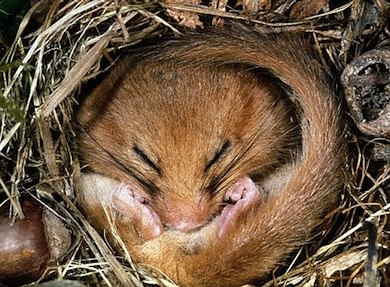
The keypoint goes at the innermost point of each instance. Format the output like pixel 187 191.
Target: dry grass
pixel 42 75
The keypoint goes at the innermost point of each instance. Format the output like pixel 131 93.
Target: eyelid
pixel 148 185
pixel 143 156
pixel 218 155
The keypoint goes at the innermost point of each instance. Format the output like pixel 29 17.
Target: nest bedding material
pixel 53 56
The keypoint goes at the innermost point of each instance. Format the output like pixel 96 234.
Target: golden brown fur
pixel 198 160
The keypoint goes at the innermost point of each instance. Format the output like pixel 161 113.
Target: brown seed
pixel 24 250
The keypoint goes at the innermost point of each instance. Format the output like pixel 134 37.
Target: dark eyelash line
pixel 149 186
pixel 216 183
pixel 226 145
pixel 142 155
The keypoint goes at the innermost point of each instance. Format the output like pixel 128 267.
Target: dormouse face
pixel 179 139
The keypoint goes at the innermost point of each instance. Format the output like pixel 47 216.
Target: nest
pixel 60 45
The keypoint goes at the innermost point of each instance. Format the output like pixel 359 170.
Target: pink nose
pixel 185 223
pixel 186 219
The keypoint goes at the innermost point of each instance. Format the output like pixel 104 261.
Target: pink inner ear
pixel 239 197
pixel 135 209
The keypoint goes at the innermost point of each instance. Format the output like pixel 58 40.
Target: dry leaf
pixel 306 8
pixel 186 19
pixel 255 6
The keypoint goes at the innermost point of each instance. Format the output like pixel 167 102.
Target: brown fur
pixel 175 138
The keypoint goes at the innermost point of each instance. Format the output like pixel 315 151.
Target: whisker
pixel 219 183
pixel 148 185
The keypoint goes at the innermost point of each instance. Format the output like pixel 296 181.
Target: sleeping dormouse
pixel 212 156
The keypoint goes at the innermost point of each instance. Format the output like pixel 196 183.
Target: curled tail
pixel 268 233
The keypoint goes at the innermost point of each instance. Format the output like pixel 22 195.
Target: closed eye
pixel 218 155
pixel 142 155
pixel 149 185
